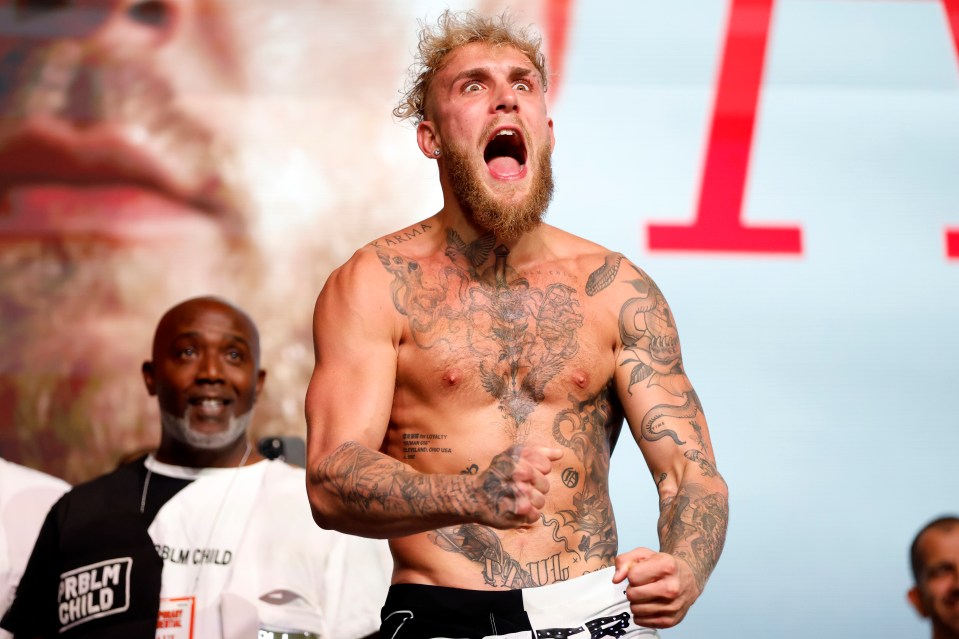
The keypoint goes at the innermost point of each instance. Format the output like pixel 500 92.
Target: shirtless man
pixel 472 376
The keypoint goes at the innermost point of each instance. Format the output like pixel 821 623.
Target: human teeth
pixel 212 404
pixel 505 133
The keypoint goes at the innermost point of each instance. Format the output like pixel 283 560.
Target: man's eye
pixel 472 87
pixel 522 86
pixel 937 571
pixel 187 352
pixel 234 356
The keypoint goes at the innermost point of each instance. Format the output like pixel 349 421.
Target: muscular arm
pixel 667 422
pixel 352 486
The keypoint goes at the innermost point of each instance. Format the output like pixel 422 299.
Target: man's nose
pixel 210 369
pixel 114 23
pixel 506 101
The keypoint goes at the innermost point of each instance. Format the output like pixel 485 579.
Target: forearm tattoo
pixel 692 526
pixel 370 482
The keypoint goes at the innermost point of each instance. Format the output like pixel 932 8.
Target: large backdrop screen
pixel 786 171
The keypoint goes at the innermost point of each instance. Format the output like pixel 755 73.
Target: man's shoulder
pixel 407 237
pixel 15 478
pixel 109 485
pixel 573 247
pixel 380 261
pixel 599 265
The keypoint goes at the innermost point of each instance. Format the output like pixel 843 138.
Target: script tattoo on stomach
pixel 481 545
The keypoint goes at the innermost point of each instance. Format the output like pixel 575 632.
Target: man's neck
pixel 460 231
pixel 239 453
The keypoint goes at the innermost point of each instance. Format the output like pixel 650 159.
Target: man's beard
pixel 507 221
pixel 77 322
pixel 179 429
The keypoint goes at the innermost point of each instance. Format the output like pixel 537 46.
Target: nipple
pixel 452 376
pixel 580 378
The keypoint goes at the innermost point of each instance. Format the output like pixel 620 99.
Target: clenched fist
pixel 512 490
pixel 660 587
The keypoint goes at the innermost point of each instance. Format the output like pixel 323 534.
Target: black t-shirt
pixel 94 571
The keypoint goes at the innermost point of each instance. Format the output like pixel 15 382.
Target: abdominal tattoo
pixel 522 336
pixel 482 546
pixel 582 429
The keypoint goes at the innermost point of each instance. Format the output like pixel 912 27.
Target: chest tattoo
pixel 520 334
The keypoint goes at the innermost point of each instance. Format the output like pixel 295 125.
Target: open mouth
pixel 209 406
pixel 505 154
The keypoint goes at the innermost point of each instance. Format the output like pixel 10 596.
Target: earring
pixel 436 152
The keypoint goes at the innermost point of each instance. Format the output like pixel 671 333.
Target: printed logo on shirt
pixel 175 619
pixel 196 556
pixel 94 591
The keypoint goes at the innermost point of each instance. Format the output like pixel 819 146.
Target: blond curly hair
pixel 453 30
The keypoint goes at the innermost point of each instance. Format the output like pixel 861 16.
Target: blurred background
pixel 785 169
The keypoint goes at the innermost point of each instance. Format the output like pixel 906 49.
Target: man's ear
pixel 260 380
pixel 148 377
pixel 427 139
pixel 916 600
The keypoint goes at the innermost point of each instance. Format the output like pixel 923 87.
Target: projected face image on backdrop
pixel 146 157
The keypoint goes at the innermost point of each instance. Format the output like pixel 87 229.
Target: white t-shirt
pixel 26 496
pixel 242 553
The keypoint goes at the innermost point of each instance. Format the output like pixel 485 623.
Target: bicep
pixel 351 390
pixel 663 410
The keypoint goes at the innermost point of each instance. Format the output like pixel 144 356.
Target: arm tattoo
pixel 371 482
pixel 650 338
pixel 692 522
pixel 692 526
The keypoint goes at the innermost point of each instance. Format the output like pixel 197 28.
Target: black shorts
pixel 587 607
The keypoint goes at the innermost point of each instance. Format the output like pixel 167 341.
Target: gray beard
pixel 505 221
pixel 179 429
pixel 76 323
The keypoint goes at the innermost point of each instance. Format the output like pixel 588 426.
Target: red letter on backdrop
pixel 952 18
pixel 718 225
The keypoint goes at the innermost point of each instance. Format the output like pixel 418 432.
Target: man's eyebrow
pixel 472 74
pixel 236 339
pixel 484 72
pixel 522 72
pixel 228 338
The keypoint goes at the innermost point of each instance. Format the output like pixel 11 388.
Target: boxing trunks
pixel 588 607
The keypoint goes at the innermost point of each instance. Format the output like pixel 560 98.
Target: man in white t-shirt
pixel 230 531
